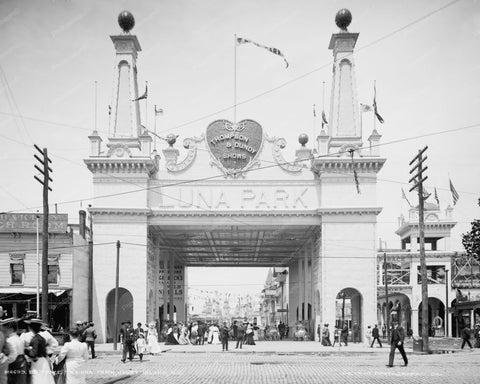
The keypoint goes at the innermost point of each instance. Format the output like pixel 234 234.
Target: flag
pixel 405 197
pixel 109 110
pixel 380 118
pixel 275 51
pixel 314 113
pixel 426 194
pixel 145 94
pixel 365 108
pixel 436 197
pixel 455 194
pixel 158 111
pixel 324 119
pixel 355 175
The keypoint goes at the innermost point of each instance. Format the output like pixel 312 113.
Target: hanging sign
pixel 234 146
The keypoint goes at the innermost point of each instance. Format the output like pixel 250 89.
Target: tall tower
pixel 345 126
pixel 347 177
pixel 122 174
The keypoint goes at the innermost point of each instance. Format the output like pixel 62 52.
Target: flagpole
pixel 235 80
pixel 155 128
pixel 374 107
pixel 146 103
pixel 314 124
pixel 95 106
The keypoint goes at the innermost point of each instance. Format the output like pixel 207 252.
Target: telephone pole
pixel 45 171
pixel 418 181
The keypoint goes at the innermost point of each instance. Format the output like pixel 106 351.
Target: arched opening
pixel 125 311
pixel 436 318
pixel 348 310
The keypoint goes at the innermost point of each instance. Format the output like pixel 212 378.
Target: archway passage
pixel 348 310
pixel 125 311
pixel 436 318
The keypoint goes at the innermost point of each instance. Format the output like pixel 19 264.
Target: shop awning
pixel 28 291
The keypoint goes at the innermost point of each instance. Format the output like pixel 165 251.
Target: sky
pixel 423 55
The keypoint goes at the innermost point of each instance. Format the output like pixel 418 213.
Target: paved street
pixel 305 363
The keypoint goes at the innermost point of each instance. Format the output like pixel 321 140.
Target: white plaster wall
pixel 133 264
pixel 349 261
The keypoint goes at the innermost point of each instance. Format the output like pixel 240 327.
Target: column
pixel 171 287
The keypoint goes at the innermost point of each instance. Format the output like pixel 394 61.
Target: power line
pixel 220 175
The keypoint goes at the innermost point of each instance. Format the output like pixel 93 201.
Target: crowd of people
pixel 138 340
pixel 31 354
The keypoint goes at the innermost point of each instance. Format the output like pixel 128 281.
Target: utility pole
pixel 387 307
pixel 90 269
pixel 115 312
pixel 418 179
pixel 45 171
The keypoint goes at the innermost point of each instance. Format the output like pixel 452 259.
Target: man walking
pixel 326 336
pixel 281 330
pixel 344 335
pixel 396 341
pixel 90 336
pixel 356 333
pixel 128 341
pixel 466 336
pixel 376 336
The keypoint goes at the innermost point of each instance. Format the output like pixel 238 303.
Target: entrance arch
pixel 436 317
pixel 125 311
pixel 348 309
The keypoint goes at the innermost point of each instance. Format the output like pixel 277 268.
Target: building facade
pixel 232 199
pixel 21 269
pixel 453 278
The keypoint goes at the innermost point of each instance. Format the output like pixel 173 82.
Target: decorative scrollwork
pixel 289 166
pixel 191 144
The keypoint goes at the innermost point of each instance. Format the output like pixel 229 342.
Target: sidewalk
pixel 294 347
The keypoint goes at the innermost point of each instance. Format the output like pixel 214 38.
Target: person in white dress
pixel 152 340
pixel 215 338
pixel 76 354
pixel 141 345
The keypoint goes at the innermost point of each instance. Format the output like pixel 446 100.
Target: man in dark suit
pixel 396 341
pixel 376 336
pixel 128 338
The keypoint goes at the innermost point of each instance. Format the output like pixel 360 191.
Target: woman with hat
pixel 76 354
pixel 40 372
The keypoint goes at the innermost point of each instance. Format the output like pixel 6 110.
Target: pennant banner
pixel 455 195
pixel 355 175
pixel 158 111
pixel 145 94
pixel 375 110
pixel 324 119
pixel 275 51
pixel 436 197
pixel 365 108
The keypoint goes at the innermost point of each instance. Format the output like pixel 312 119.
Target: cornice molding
pixel 332 164
pixel 235 213
pixel 431 225
pixel 131 165
pixel 350 211
pixel 120 211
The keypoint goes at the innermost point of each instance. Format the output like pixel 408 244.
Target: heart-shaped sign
pixel 234 145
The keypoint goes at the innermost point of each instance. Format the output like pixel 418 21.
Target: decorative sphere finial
pixel 343 19
pixel 171 139
pixel 126 21
pixel 303 139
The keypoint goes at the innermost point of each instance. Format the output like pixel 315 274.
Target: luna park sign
pixel 234 146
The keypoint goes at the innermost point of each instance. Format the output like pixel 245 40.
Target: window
pixel 17 270
pixel 53 274
pixel 53 269
pixel 435 274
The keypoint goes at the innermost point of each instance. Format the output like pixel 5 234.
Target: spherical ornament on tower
pixel 343 19
pixel 126 21
pixel 303 139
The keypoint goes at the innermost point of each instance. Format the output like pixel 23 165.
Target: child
pixel 140 345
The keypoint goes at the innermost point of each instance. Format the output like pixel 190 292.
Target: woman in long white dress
pixel 76 354
pixel 152 339
pixel 183 338
pixel 215 334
